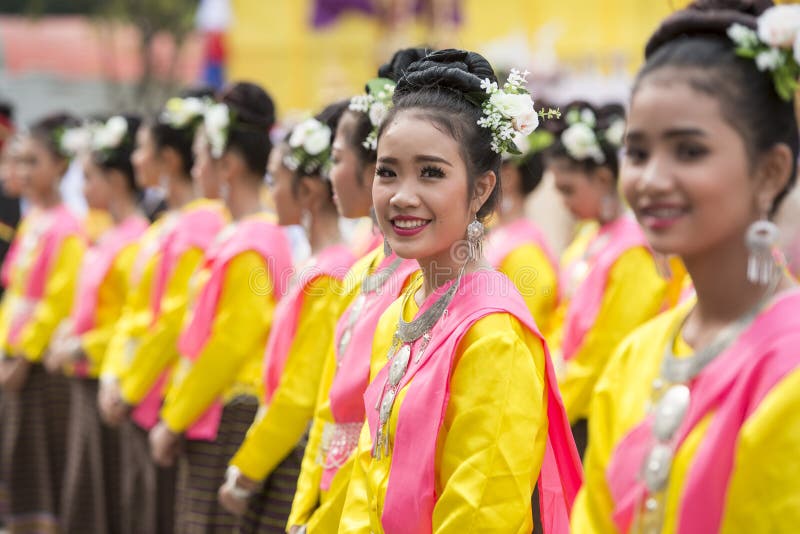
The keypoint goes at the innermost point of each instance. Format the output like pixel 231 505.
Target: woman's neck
pixel 437 272
pixel 122 208
pixel 243 198
pixel 48 200
pixel 324 230
pixel 180 191
pixel 513 209
pixel 723 292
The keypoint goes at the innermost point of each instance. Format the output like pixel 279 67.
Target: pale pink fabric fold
pixel 622 235
pixel 270 242
pixel 332 262
pixel 411 496
pixel 732 387
pixel 352 377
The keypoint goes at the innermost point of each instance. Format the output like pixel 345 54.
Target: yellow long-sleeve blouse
pixel 56 301
pixel 321 510
pixel 763 493
pixel 136 314
pixel 111 297
pixel 634 293
pixel 529 267
pixel 230 362
pixel 491 443
pixel 281 423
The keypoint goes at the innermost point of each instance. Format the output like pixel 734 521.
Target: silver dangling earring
pixel 608 208
pixel 761 239
pixel 305 220
pixel 387 248
pixel 475 232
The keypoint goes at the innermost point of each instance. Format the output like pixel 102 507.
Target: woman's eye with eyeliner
pixel 432 172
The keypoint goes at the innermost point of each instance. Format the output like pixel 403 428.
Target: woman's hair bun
pixel 251 105
pixel 706 17
pixel 457 70
pixel 401 60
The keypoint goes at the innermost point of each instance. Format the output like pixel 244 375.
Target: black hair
pixel 48 130
pixel 531 169
pixel 180 139
pixel 437 87
pixel 394 69
pixel 119 157
pixel 605 117
pixel 7 110
pixel 695 40
pixel 253 113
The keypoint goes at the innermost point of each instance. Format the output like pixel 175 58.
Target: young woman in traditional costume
pixel 262 476
pixel 214 391
pixel 609 277
pixel 463 411
pixel 694 425
pixel 516 246
pixel 374 282
pixel 145 339
pixel 91 496
pixel 40 274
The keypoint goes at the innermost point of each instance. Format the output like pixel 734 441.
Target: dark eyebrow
pixel 422 158
pixel 636 135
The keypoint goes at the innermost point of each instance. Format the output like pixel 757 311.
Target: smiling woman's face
pixel 420 192
pixel 686 172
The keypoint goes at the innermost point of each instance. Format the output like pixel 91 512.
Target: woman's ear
pixel 484 185
pixel 604 177
pixel 171 160
pixel 772 174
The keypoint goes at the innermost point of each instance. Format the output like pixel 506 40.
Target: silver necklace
pixel 370 284
pixel 399 355
pixel 673 405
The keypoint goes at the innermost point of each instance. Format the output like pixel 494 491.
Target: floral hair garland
pixel 582 139
pixel 99 137
pixel 775 46
pixel 509 111
pixel 217 120
pixel 310 145
pixel 375 103
pixel 180 113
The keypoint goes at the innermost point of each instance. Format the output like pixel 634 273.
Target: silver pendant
pixel 670 411
pixel 399 365
pixel 386 405
pixel 657 467
pixel 344 342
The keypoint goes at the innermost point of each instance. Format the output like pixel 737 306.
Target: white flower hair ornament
pixel 509 112
pixel 180 113
pixel 375 103
pixel 106 137
pixel 580 138
pixel 217 120
pixel 74 140
pixel 774 46
pixel 310 147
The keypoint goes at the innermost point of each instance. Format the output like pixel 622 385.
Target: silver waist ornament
pixel 370 284
pixel 399 356
pixel 672 398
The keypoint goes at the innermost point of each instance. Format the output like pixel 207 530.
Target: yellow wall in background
pixel 272 42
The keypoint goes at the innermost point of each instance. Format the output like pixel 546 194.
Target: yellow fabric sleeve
pixel 157 348
pixel 530 270
pixel 111 300
pixel 136 314
pixel 491 442
pixel 634 293
pixel 56 303
pixel 239 332
pixel 281 424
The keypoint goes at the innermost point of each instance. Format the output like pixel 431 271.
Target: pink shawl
pixel 256 234
pixel 411 497
pixel 732 386
pixel 352 377
pixel 333 262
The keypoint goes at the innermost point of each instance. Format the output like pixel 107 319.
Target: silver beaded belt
pixel 339 440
